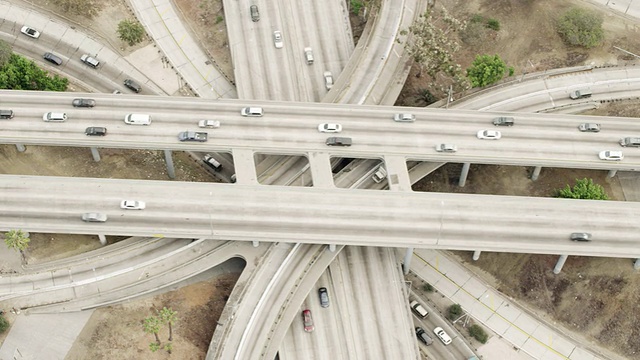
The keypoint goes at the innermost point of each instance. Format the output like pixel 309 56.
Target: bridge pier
pixel 476 255
pixel 255 243
pixel 95 154
pixel 611 173
pixel 103 239
pixel 406 263
pixel 560 264
pixel 21 148
pixel 536 173
pixel 332 247
pixel 463 174
pixel 171 171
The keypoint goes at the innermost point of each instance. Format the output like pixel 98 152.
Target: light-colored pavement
pixel 293 214
pixel 493 310
pixel 163 23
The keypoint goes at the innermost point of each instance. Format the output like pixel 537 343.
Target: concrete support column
pixel 95 154
pixel 103 239
pixel 476 255
pixel 636 264
pixel 332 247
pixel 611 173
pixel 171 171
pixel 536 173
pixel 560 264
pixel 463 174
pixel 406 264
pixel 256 243
pixel 21 148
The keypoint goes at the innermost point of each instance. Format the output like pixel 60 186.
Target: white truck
pixel 380 174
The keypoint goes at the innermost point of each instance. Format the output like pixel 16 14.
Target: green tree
pixel 152 326
pixel 17 240
pixel 356 6
pixel 130 32
pixel 168 316
pixel 580 27
pixel 486 70
pixel 20 73
pixel 168 347
pixel 455 311
pixel 86 8
pixel 583 189
pixel 478 333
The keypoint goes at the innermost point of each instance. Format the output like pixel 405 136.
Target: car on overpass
pixel 323 294
pixel 196 136
pixel 404 117
pixel 132 205
pixel 330 128
pixel 339 141
pixel 489 135
pixel 447 148
pixel 133 85
pixel 94 217
pixel 422 336
pixel 95 131
pixel 442 335
pixel 328 80
pixel 83 102
pixel 211 124
pixel 589 127
pixel 611 155
pixel 277 39
pixel 503 121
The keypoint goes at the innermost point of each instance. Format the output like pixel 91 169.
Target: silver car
pixel 94 217
pixel 589 127
pixel 404 117
pixel 277 39
pixel 448 148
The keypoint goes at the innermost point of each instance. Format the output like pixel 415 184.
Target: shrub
pixel 493 24
pixel 22 74
pixel 580 27
pixel 583 189
pixel 219 19
pixel 477 19
pixel 427 287
pixel 356 6
pixel 4 324
pixel 478 333
pixel 455 311
pixel 486 70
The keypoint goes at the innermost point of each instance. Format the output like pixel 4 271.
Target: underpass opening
pixel 284 170
pixel 350 173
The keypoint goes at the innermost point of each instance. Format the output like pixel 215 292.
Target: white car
pixel 404 117
pixel 30 32
pixel 211 124
pixel 277 39
pixel 442 335
pixel 489 134
pixel 611 155
pixel 448 148
pixel 132 205
pixel 330 128
pixel 328 80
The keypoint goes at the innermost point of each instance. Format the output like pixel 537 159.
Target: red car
pixel 308 321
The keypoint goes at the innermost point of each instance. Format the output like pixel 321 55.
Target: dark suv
pixel 422 336
pixel 96 131
pixel 338 141
pixel 132 85
pixel 324 297
pixel 52 58
pixel 503 121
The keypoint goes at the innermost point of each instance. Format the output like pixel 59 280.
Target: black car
pixel 324 297
pixel 503 121
pixel 96 131
pixel 52 58
pixel 132 85
pixel 83 103
pixel 338 141
pixel 422 336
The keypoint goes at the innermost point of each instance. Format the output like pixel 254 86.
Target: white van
pixel 137 119
pixel 308 55
pixel 418 309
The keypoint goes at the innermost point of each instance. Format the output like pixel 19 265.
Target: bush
pixel 22 74
pixel 219 19
pixel 580 27
pixel 583 189
pixel 486 70
pixel 455 311
pixel 130 32
pixel 427 287
pixel 356 6
pixel 493 24
pixel 477 19
pixel 474 34
pixel 4 324
pixel 478 333
pixel 86 8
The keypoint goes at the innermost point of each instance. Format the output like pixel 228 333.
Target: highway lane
pixel 536 140
pixel 321 216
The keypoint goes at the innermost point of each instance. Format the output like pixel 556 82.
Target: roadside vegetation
pixel 87 8
pixel 130 31
pixel 20 73
pixel 580 27
pixel 583 189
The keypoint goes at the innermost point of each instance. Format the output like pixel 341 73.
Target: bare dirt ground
pixel 116 332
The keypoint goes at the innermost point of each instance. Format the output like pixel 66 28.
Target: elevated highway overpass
pixel 321 216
